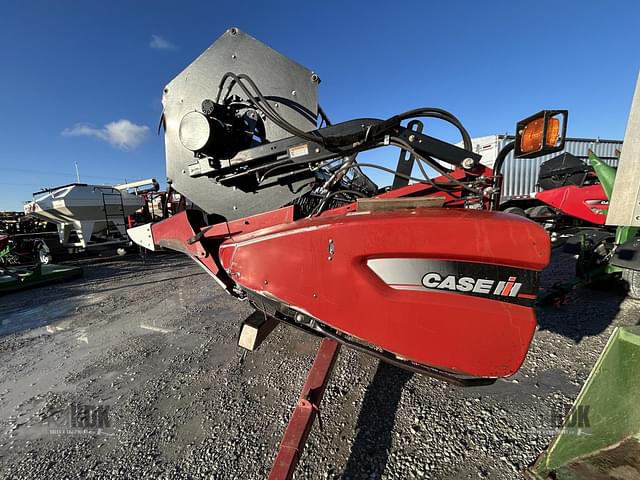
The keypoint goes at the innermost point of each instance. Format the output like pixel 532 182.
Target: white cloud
pixel 160 43
pixel 121 134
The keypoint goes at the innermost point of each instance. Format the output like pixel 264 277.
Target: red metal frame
pixel 305 412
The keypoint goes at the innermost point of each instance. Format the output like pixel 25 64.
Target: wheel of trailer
pixel 515 211
pixel 595 257
pixel 121 251
pixel 44 256
pixel 632 280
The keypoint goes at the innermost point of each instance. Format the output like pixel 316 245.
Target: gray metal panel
pixel 521 175
pixel 624 208
pixel 277 77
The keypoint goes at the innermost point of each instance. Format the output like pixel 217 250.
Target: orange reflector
pixel 553 131
pixel 531 139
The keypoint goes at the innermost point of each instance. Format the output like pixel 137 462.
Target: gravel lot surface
pixel 154 344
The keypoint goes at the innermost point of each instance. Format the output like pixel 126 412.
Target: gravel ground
pixel 155 344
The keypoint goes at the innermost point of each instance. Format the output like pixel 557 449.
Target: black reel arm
pixel 288 155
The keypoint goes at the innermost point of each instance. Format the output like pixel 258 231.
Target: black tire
pixel 515 211
pixel 632 280
pixel 593 259
pixel 541 212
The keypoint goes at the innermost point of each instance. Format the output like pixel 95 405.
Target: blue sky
pixel 82 81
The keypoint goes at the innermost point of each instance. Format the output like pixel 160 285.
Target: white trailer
pixel 86 215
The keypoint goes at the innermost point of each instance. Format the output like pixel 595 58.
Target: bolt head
pixel 467 163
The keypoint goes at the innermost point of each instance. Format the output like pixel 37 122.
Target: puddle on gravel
pixel 33 317
pixel 59 312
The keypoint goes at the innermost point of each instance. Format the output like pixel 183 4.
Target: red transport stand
pixel 305 412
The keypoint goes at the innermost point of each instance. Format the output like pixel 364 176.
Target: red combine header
pixel 423 274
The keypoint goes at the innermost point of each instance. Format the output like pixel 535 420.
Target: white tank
pixel 96 213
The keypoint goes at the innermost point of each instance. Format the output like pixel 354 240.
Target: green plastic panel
pixel 610 396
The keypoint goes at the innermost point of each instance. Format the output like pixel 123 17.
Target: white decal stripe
pixel 417 288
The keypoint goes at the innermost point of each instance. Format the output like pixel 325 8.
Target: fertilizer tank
pixel 86 210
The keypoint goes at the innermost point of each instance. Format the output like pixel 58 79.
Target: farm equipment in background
pixel 7 255
pixel 618 253
pixel 16 250
pixel 605 254
pixel 86 216
pixel 571 198
pixel 76 218
pixel 600 438
pixel 95 217
pixel 17 223
pixel 72 219
pixel 25 239
pixel 154 201
pixel 18 271
pixel 573 207
pixel 157 205
pixel 426 275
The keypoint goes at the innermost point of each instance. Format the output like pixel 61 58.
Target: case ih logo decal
pixel 496 282
pixel 510 288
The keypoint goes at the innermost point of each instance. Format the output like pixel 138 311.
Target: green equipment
pixel 19 277
pixel 600 436
pixel 612 251
pixel 598 248
pixel 602 254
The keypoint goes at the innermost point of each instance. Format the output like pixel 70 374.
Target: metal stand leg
pixel 305 412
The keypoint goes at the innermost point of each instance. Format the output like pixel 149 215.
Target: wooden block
pixel 378 204
pixel 255 329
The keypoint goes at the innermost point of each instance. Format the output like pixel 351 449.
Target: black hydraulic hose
pixel 324 117
pixel 432 112
pixel 497 173
pixel 426 181
pixel 318 210
pixel 433 184
pixel 502 156
pixel 274 116
pixel 264 105
pixel 419 157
